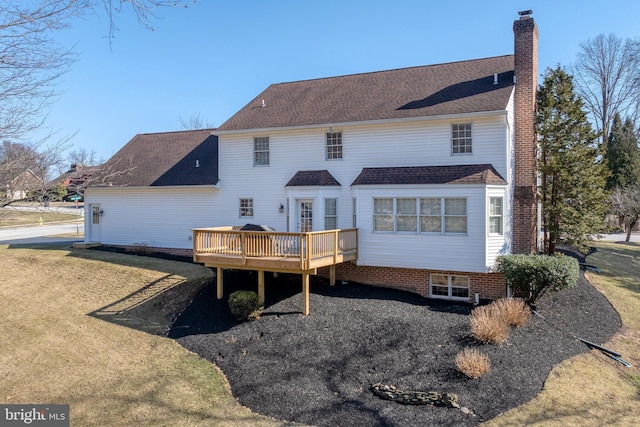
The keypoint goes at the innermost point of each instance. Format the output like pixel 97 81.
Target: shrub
pixel 245 305
pixel 488 325
pixel 140 248
pixel 532 275
pixel 514 311
pixel 473 363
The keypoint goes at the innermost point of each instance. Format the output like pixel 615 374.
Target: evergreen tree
pixel 573 178
pixel 622 156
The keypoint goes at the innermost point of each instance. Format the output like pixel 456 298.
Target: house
pixel 434 166
pixel 20 186
pixel 154 190
pixel 75 179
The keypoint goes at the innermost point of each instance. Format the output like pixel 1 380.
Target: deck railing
pixel 331 245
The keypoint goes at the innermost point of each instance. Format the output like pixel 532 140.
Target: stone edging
pixel 389 392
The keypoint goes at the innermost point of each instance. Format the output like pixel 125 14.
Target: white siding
pixel 451 252
pixel 496 244
pixel 426 143
pixel 164 217
pixel 154 216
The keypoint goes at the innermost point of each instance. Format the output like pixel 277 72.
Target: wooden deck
pixel 300 253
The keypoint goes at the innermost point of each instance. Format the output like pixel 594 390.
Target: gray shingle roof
pixel 164 159
pixel 312 178
pixel 434 90
pixel 458 174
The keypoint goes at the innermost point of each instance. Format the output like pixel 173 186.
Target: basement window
pixel 449 286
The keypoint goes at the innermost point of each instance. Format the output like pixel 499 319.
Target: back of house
pixel 434 165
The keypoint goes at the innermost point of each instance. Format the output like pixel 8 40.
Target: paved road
pixel 38 234
pixel 621 237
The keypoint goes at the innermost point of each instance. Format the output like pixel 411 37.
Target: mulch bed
pixel 319 369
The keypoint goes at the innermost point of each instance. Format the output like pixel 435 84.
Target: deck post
pixel 305 294
pixel 219 282
pixel 332 274
pixel 261 287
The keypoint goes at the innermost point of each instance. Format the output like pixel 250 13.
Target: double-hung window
pixel 334 145
pixel 330 214
pixel 455 215
pixel 383 214
pixel 431 215
pixel 461 138
pixel 406 215
pixel 246 208
pixel 261 151
pixel 495 215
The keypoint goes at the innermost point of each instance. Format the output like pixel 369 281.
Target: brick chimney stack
pixel 525 207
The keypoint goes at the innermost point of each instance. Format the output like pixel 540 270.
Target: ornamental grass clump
pixel 488 324
pixel 514 311
pixel 473 363
pixel 245 305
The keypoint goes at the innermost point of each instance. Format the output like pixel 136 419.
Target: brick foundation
pixel 487 285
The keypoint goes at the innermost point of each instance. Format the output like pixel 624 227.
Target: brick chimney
pixel 525 206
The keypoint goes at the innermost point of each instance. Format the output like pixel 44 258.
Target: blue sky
pixel 212 58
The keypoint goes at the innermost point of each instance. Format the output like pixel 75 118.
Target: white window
pixel 461 138
pixel 246 208
pixel 354 213
pixel 330 214
pixel 435 215
pixel 495 215
pixel 334 145
pixel 431 215
pixel 383 214
pixel 406 215
pixel 261 151
pixel 449 286
pixel 455 215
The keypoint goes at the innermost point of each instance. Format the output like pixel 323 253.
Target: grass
pixel 11 218
pixel 488 325
pixel 473 363
pixel 591 389
pixel 514 311
pixel 73 331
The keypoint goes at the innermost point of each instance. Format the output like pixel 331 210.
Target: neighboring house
pixel 19 187
pixel 76 178
pixel 434 165
pixel 154 191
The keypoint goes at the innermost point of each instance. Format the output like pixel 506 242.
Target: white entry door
pixel 95 229
pixel 305 216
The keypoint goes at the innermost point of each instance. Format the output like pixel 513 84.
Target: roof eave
pixel 365 122
pixel 147 187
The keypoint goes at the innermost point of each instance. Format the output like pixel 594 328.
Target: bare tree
pixel 195 122
pixel 626 204
pixel 607 77
pixel 82 157
pixel 26 169
pixel 32 62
